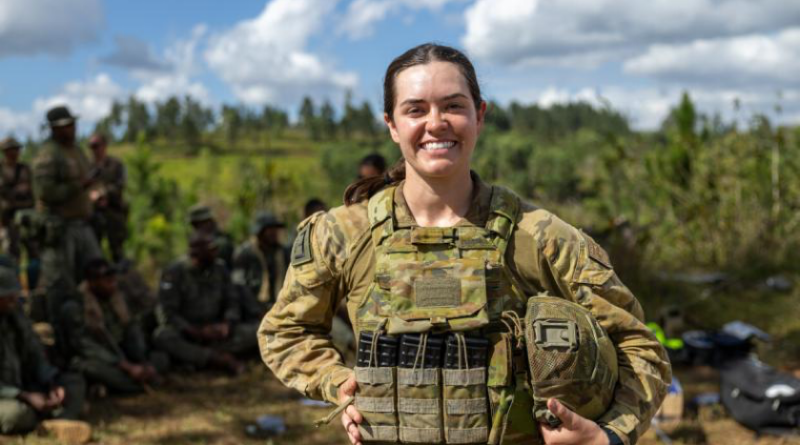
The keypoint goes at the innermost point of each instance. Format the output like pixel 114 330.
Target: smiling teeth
pixel 438 145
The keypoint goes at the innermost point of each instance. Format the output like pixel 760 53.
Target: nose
pixel 437 121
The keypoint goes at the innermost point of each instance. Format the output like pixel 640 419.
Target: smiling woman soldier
pixel 480 317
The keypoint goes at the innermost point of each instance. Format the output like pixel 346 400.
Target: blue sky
pixel 638 55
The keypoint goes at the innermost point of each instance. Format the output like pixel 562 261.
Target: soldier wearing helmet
pixel 480 318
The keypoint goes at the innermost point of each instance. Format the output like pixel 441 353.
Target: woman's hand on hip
pixel 350 417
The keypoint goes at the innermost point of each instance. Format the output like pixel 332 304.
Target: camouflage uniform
pixel 193 296
pixel 98 350
pixel 25 368
pixel 200 214
pixel 334 263
pixel 261 272
pixel 59 173
pixel 111 220
pixel 16 193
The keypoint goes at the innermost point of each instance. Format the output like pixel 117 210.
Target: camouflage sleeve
pixel 583 273
pixel 294 336
pixel 49 185
pixel 169 300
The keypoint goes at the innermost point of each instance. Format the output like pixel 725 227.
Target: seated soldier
pixel 31 389
pixel 106 342
pixel 199 311
pixel 260 265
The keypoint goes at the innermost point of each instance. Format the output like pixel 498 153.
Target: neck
pixel 438 202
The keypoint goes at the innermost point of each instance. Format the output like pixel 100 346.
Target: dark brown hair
pixel 419 55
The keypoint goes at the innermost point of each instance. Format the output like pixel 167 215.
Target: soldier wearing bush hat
pixel 202 219
pixel 62 178
pixel 199 313
pixel 260 263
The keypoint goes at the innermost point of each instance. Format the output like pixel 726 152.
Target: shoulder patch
pixel 301 249
pixel 596 252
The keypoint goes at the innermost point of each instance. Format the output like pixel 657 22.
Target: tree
pixel 308 118
pixel 168 116
pixel 138 120
pixel 327 120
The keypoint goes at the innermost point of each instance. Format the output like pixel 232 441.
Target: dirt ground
pixel 214 409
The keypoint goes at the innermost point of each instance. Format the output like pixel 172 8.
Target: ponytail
pixel 363 189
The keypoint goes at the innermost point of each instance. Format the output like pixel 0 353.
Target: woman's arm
pixel 583 273
pixel 294 336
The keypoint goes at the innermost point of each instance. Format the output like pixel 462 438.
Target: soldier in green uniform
pixel 61 181
pixel 110 218
pixel 260 263
pixel 199 311
pixel 107 343
pixel 202 220
pixel 16 193
pixel 31 389
pixel 429 249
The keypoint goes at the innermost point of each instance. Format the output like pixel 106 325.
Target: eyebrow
pixel 446 98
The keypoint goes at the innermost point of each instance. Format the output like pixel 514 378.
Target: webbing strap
pixel 378 433
pixel 420 435
pixel 375 404
pixel 467 435
pixel 418 406
pixel 418 377
pixel 504 213
pixel 374 376
pixel 464 377
pixel 467 406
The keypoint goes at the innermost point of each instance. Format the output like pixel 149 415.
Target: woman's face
pixel 435 122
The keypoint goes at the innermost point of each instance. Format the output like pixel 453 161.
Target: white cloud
pixel 770 60
pixel 587 32
pixel 90 99
pixel 19 124
pixel 265 59
pixel 47 26
pixel 180 57
pixel 362 15
pixel 646 108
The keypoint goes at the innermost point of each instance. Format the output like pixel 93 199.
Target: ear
pixel 481 115
pixel 392 127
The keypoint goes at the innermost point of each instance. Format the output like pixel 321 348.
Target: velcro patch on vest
pixel 432 235
pixel 437 292
pixel 301 249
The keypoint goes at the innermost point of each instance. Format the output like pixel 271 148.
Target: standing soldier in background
pixel 110 218
pixel 61 180
pixel 202 220
pixel 15 194
pixel 260 263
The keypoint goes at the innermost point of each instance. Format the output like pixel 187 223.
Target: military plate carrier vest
pixel 439 327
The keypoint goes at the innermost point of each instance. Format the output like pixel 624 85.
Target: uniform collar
pixel 477 215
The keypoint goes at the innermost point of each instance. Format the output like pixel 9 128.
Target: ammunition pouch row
pixel 419 388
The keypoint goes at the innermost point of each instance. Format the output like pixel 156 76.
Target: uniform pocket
pixel 464 393
pixel 375 400
pixel 419 405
